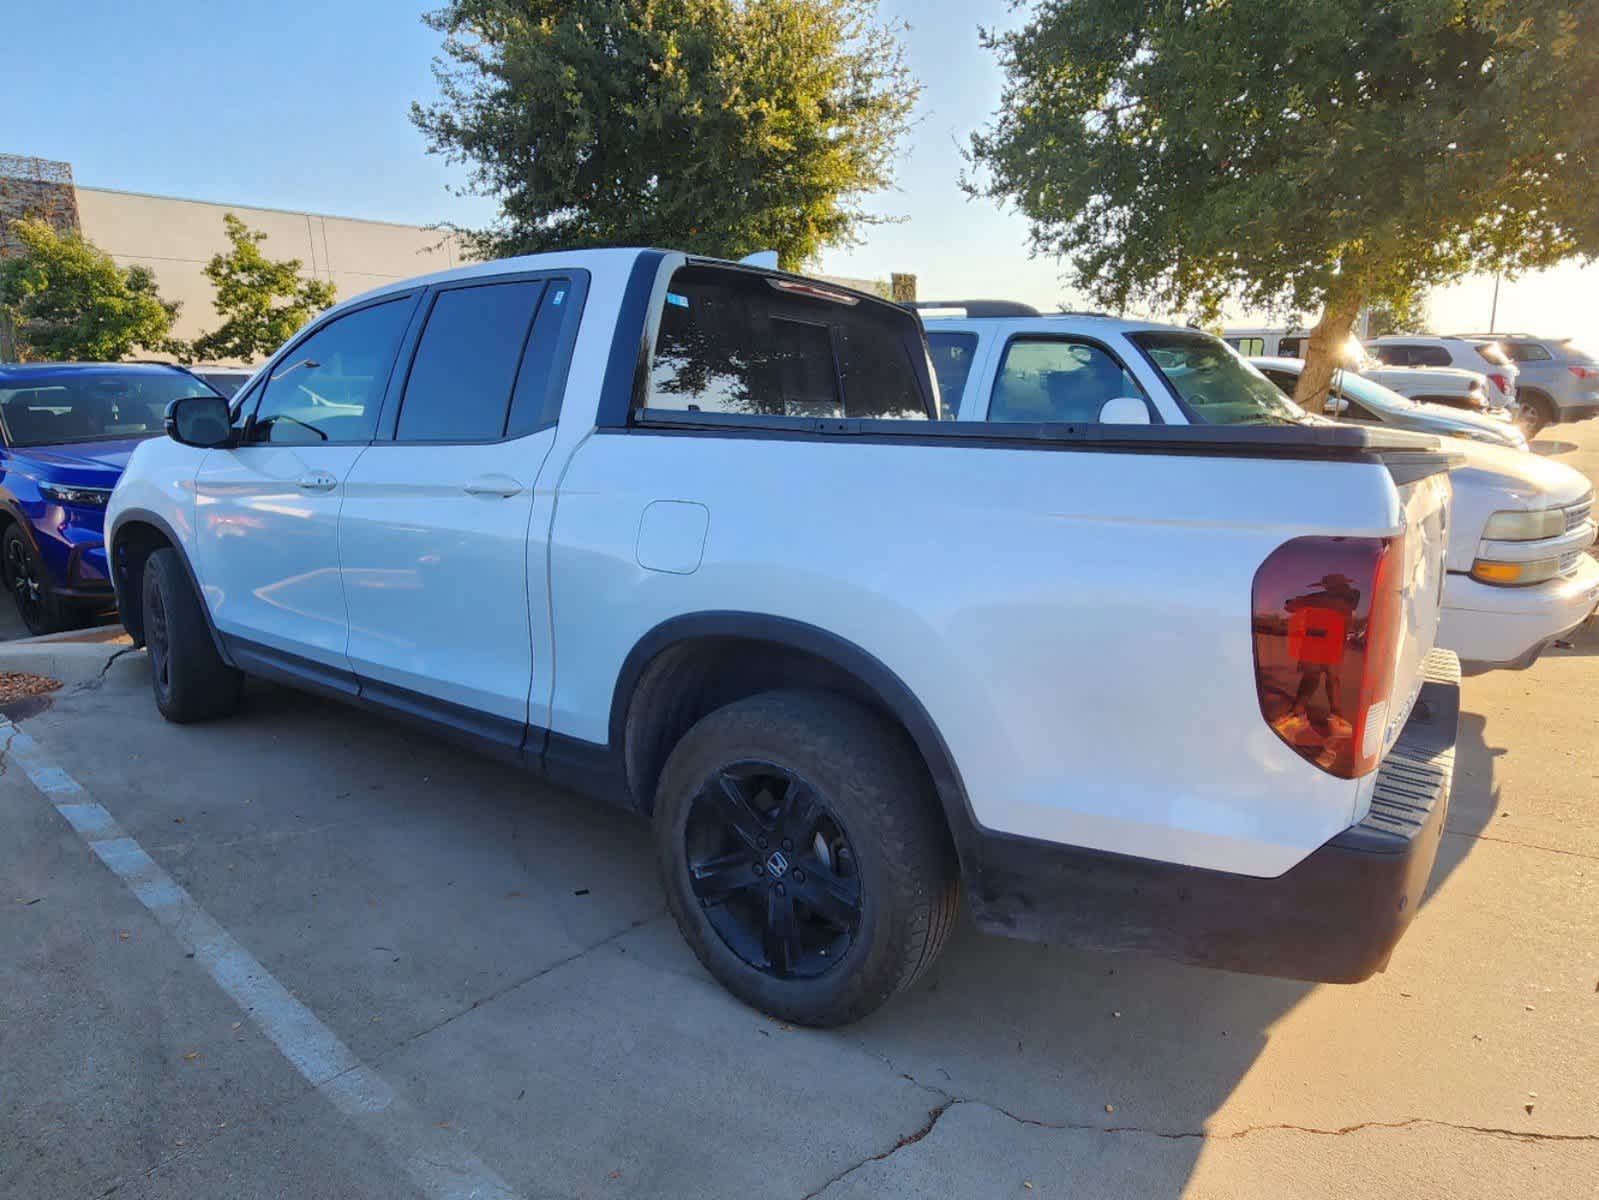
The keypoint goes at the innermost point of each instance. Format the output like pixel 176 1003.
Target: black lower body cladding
pixel 1333 918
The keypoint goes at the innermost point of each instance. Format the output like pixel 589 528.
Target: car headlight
pixel 1529 526
pixel 89 497
pixel 1515 574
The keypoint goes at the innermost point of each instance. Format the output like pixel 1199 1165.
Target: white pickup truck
pixel 682 534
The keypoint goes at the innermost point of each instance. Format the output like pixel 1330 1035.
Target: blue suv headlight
pixel 88 497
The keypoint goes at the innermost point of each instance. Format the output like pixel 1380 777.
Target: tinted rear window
pixel 1526 352
pixel 460 383
pixel 743 343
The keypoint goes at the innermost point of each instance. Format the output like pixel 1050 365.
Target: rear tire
pixel 804 855
pixel 188 676
pixel 1535 414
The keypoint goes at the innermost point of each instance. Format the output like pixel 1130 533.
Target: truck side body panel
pixel 1076 624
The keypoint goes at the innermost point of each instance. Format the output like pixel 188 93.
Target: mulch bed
pixel 19 685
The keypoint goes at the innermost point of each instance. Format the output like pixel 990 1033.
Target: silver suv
pixel 1559 381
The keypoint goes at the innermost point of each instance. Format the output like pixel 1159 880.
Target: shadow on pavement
pixel 1054 1035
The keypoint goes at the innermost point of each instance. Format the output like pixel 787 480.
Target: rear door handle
pixel 502 486
pixel 318 481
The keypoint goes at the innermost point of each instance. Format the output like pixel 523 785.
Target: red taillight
pixel 1502 382
pixel 1326 632
pixel 1584 372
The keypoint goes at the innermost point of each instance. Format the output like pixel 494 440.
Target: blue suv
pixel 66 431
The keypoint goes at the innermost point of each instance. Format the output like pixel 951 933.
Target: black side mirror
pixel 202 421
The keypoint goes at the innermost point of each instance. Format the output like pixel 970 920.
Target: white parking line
pixel 435 1161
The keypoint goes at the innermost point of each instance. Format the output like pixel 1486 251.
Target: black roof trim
pixel 980 308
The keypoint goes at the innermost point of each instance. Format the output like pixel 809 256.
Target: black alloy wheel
pixel 158 641
pixel 772 866
pixel 30 586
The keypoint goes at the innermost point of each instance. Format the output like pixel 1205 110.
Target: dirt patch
pixel 23 695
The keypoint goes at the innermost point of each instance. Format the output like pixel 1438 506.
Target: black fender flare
pixel 9 507
pixel 892 691
pixel 143 516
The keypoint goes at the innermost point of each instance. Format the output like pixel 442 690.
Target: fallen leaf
pixel 613 1174
pixel 177 820
pixel 1110 1108
pixel 1028 1184
pixel 236 1024
pixel 1528 1107
pixel 123 935
pixel 191 1056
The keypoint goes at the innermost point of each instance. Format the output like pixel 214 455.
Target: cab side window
pixel 329 387
pixel 1058 379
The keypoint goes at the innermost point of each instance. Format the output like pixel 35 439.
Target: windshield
pixel 92 407
pixel 1370 393
pixel 1216 386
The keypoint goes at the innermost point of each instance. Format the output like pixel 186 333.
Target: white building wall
pixel 176 238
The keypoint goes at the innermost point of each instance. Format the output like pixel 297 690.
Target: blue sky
pixel 304 106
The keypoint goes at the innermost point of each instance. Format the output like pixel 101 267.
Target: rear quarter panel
pixel 1077 624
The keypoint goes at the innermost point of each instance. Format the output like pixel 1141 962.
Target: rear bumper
pixel 1500 628
pixel 1579 410
pixel 1334 917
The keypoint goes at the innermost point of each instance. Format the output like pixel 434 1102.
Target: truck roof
pixel 608 265
pixel 1063 322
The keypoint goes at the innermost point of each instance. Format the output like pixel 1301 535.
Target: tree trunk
pixel 1325 351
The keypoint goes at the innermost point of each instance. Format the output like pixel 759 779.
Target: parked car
pixel 1558 381
pixel 226 380
pixel 1425 350
pixel 1360 398
pixel 66 430
pixel 1519 575
pixel 1453 387
pixel 1134 693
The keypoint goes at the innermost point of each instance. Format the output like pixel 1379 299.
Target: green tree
pixel 715 126
pixel 63 298
pixel 1307 157
pixel 262 302
pixel 1405 315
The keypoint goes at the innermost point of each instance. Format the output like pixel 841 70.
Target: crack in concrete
pixel 5 751
pixel 1487 837
pixel 509 988
pixel 90 685
pixel 950 1101
pixel 910 1139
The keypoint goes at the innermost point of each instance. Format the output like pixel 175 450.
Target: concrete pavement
pixel 496 955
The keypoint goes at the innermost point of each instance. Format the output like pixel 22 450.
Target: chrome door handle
pixel 502 486
pixel 318 481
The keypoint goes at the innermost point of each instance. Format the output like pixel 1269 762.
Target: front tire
pixel 188 676
pixel 38 605
pixel 804 855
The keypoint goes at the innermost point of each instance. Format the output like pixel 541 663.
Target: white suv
pixel 1420 350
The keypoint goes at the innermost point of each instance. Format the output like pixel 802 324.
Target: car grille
pixel 1579 514
pixel 1569 562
